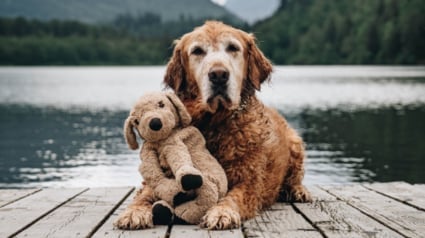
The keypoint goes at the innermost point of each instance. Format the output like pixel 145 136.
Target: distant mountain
pixel 252 10
pixel 101 11
pixel 344 32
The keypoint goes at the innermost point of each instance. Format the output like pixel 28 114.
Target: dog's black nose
pixel 155 124
pixel 218 76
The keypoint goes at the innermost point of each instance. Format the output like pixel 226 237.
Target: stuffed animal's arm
pixel 177 156
pixel 178 151
pixel 163 187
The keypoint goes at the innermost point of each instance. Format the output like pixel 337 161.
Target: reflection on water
pixel 52 147
pixel 383 144
pixel 63 126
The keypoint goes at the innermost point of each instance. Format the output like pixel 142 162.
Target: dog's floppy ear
pixel 180 108
pixel 130 136
pixel 259 67
pixel 175 73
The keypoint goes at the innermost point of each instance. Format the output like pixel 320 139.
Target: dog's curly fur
pixel 263 157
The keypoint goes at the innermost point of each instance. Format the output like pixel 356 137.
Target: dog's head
pixel 218 65
pixel 154 117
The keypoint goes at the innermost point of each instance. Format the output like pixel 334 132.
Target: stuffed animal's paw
pixel 188 178
pixel 191 181
pixel 162 213
pixel 182 197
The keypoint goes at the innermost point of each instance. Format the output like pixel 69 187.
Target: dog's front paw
pixel 221 217
pixel 134 218
pixel 301 194
pixel 297 193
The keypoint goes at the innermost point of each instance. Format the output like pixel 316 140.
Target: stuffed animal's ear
pixel 259 67
pixel 130 136
pixel 175 73
pixel 180 108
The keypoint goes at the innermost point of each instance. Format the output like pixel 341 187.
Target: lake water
pixel 62 126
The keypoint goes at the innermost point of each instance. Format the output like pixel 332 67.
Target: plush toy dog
pixel 175 161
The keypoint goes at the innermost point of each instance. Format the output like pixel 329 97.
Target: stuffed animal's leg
pixel 180 162
pixel 138 214
pixel 162 213
pixel 192 211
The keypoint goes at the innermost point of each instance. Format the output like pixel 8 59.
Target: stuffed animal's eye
pixel 136 121
pixel 161 104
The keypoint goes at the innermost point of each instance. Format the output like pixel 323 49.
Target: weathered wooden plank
pixel 11 195
pixel 319 194
pixel 16 216
pixel 280 220
pixel 234 233
pixel 182 231
pixel 372 210
pixel 80 216
pixel 400 217
pixel 107 230
pixel 338 219
pixel 185 231
pixel 401 191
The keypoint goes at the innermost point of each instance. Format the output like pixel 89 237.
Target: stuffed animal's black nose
pixel 155 124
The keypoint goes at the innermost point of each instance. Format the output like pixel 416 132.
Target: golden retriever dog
pixel 216 70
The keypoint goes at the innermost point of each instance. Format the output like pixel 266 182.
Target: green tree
pixel 345 32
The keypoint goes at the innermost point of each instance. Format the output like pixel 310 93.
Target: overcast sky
pixel 220 2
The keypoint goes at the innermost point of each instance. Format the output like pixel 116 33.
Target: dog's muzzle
pixel 219 77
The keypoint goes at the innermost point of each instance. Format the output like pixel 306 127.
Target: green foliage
pixel 25 42
pixel 103 11
pixel 345 32
pixel 48 50
pixel 142 40
pixel 151 26
pixel 301 32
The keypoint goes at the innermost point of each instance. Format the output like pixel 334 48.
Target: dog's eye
pixel 161 104
pixel 198 51
pixel 232 48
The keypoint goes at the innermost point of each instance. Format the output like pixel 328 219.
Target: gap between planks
pixel 14 195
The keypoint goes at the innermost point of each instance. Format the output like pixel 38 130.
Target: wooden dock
pixel 358 210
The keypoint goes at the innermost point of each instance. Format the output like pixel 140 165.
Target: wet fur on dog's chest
pixel 232 135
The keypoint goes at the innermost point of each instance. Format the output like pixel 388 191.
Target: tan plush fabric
pixel 173 151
